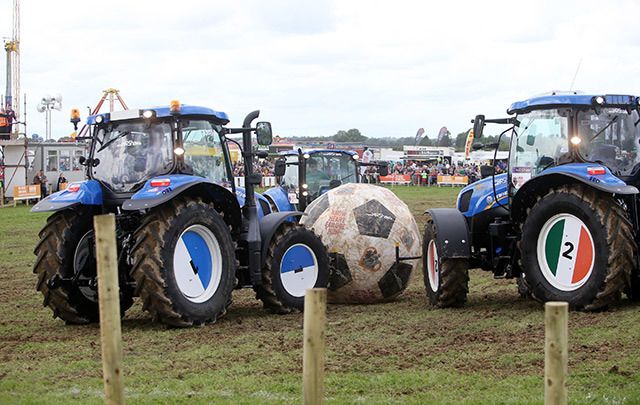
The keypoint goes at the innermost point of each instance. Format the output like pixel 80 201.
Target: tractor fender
pixel 87 192
pixel 452 233
pixel 566 174
pixel 268 226
pixel 149 196
pixel 280 198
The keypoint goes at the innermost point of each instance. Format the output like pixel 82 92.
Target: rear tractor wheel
pixel 184 263
pixel 446 280
pixel 577 246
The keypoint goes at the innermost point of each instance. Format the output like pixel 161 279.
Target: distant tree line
pixel 354 135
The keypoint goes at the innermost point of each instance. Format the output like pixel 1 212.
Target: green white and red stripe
pixel 566 252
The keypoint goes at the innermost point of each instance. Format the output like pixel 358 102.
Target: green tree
pixel 352 135
pixel 461 140
pixel 445 140
pixel 426 141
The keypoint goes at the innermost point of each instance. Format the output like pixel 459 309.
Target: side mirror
pixel 383 170
pixel 82 160
pixel 486 171
pixel 281 166
pixel 263 133
pixel 531 140
pixel 478 126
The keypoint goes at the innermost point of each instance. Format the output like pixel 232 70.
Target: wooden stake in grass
pixel 315 319
pixel 109 297
pixel 556 352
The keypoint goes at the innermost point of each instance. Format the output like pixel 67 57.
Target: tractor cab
pixel 600 131
pixel 304 176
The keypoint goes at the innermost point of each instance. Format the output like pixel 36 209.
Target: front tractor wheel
pixel 577 246
pixel 184 263
pixel 296 261
pixel 66 268
pixel 445 279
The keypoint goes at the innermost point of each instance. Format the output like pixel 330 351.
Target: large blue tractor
pixel 563 218
pixel 304 176
pixel 187 235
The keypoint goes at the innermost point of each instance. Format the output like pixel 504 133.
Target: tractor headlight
pixel 599 100
pixel 178 151
pixel 306 156
pixel 575 140
pixel 148 114
pixel 305 193
pixel 99 119
pixel 305 186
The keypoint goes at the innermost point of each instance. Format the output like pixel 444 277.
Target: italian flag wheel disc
pixel 566 253
pixel 432 266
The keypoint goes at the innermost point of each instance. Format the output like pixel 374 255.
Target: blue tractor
pixel 187 236
pixel 562 218
pixel 304 176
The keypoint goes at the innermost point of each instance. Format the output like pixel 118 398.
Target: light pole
pixel 48 103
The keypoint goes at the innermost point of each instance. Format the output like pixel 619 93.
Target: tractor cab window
pixel 540 141
pixel 130 153
pixel 329 170
pixel 203 150
pixel 610 137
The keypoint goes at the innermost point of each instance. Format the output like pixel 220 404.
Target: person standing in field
pixel 41 180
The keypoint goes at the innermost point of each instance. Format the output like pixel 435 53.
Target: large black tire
pixel 66 246
pixel 283 287
pixel 446 280
pixel 184 263
pixel 577 246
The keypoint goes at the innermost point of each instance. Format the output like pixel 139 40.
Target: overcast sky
pixel 316 67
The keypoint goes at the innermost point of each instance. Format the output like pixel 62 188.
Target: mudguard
pixel 452 234
pixel 87 192
pixel 280 198
pixel 268 226
pixel 150 196
pixel 567 174
pixel 261 201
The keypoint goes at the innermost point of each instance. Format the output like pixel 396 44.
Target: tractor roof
pixel 571 100
pixel 160 112
pixel 316 151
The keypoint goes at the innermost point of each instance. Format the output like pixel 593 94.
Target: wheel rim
pixel 84 265
pixel 197 263
pixel 298 270
pixel 566 253
pixel 432 266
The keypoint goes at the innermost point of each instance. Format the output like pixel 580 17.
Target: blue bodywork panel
pixel 162 112
pixel 177 180
pixel 569 100
pixel 280 198
pixel 241 195
pixel 89 193
pixel 483 197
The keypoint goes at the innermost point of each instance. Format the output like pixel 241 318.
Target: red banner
pixel 396 178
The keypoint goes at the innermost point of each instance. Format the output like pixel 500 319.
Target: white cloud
pixel 313 68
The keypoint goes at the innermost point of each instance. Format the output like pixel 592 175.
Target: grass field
pixel 491 351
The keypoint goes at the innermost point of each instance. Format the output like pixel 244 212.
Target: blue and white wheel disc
pixel 197 263
pixel 298 270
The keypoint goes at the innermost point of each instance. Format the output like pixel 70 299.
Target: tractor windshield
pixel 540 140
pixel 610 137
pixel 329 170
pixel 131 153
pixel 203 150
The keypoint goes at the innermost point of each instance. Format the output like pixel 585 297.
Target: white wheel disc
pixel 432 266
pixel 566 253
pixel 197 263
pixel 298 269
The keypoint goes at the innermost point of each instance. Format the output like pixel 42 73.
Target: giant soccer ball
pixel 361 225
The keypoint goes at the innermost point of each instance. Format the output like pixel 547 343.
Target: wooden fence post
pixel 556 353
pixel 315 319
pixel 109 297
